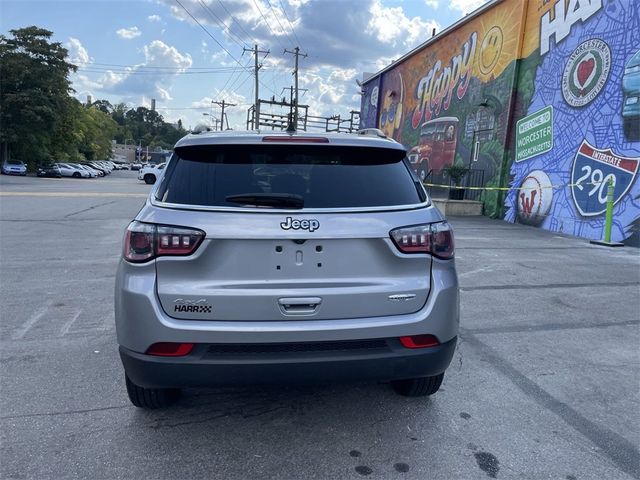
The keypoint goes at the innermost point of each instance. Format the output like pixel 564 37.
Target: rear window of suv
pixel 325 176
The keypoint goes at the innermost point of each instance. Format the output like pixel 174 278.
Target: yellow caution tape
pixel 506 189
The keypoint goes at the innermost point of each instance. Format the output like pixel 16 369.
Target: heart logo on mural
pixel 584 70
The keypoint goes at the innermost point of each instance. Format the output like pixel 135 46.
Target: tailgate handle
pixel 299 305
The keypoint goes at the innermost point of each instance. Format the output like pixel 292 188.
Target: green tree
pixel 34 93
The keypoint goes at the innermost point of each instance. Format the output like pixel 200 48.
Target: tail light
pixel 433 238
pixel 145 241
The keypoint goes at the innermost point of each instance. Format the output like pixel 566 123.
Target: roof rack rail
pixel 371 132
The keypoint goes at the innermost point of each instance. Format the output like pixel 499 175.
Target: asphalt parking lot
pixel 545 382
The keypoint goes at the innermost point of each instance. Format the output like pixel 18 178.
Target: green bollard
pixel 608 217
pixel 608 221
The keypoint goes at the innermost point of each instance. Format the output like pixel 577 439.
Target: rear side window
pixel 324 176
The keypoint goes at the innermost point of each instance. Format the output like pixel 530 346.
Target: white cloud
pixel 466 6
pixel 346 40
pixel 154 18
pixel 134 83
pixel 391 25
pixel 77 52
pixel 129 33
pixel 431 3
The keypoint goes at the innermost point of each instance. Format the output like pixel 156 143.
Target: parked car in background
pixel 68 170
pixel 99 173
pixel 13 167
pixel 102 168
pixel 108 168
pixel 52 171
pixel 136 166
pixel 151 173
pixel 92 173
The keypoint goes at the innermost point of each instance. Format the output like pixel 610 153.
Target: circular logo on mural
pixel 586 72
pixel 534 198
pixel 490 50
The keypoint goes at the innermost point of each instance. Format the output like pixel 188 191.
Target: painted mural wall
pixel 450 102
pixel 578 112
pixel 542 95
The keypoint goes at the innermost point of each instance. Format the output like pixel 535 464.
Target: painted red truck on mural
pixel 437 146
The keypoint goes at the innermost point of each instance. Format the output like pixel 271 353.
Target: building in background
pixel 542 96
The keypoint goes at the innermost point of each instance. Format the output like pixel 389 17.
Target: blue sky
pixel 132 51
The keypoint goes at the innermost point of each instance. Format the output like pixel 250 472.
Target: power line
pixel 267 23
pixel 278 20
pixel 290 22
pixel 154 72
pixel 237 22
pixel 220 22
pixel 236 79
pixel 100 65
pixel 208 33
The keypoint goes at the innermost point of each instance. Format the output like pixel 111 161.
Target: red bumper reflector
pixel 419 341
pixel 170 349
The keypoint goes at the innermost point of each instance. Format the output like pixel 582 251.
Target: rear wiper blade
pixel 288 200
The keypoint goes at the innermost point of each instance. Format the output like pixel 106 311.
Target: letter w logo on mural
pixel 527 200
pixel 591 173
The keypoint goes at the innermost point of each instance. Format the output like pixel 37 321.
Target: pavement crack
pixel 546 327
pixel 549 285
pixel 65 412
pixel 90 208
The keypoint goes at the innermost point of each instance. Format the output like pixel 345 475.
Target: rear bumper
pixel 203 367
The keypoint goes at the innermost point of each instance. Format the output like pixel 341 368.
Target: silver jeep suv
pixel 286 258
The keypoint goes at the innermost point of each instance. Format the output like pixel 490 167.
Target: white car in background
pixel 92 172
pixel 68 170
pixel 150 173
pixel 14 167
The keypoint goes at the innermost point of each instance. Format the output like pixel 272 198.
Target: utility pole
pixel 256 106
pixel 223 104
pixel 296 52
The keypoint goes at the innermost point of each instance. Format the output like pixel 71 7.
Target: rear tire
pixel 149 179
pixel 418 387
pixel 151 398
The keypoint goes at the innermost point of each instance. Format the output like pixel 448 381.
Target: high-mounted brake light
pixel 288 139
pixel 170 349
pixel 145 241
pixel 433 238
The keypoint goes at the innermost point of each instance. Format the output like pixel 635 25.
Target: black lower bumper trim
pixel 201 370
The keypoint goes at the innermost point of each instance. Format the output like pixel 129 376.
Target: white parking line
pixel 72 194
pixel 28 325
pixel 67 326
